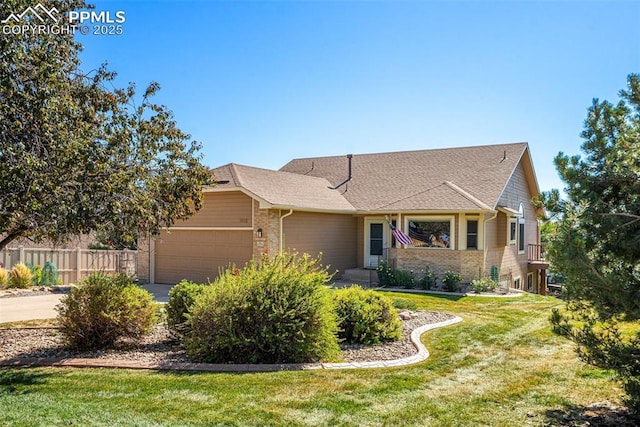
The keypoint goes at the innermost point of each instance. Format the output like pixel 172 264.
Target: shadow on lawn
pixel 443 295
pixel 597 415
pixel 15 381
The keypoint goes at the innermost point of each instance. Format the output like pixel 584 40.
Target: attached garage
pixel 198 255
pixel 220 234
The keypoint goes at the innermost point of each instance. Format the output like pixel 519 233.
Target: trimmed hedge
pixel 104 308
pixel 365 316
pixel 277 311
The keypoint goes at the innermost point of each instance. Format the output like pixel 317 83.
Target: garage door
pixel 197 255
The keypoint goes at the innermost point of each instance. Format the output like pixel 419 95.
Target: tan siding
pixel 502 254
pixel 332 234
pixel 360 243
pixel 224 209
pixel 197 255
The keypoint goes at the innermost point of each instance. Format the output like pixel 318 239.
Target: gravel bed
pixel 34 291
pixel 396 349
pixel 160 347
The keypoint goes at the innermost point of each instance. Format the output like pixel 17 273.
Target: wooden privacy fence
pixel 73 264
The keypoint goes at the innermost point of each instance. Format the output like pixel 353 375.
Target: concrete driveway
pixel 15 309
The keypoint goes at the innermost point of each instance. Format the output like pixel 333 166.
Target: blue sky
pixel 260 83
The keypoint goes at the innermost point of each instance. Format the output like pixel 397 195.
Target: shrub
pixel 104 308
pixel 386 275
pixel 50 275
pixel 486 284
pixel 451 281
pixel 405 279
pixel 365 316
pixel 4 277
pixel 181 299
pixel 277 311
pixel 20 276
pixel 36 270
pixel 428 280
pixel 404 304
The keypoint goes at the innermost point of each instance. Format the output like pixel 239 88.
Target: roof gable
pixel 281 189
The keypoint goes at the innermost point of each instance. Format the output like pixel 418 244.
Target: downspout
pixel 484 238
pixel 282 217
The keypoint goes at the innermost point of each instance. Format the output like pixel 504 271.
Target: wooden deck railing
pixel 536 253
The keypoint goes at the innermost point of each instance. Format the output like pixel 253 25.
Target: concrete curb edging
pixel 422 355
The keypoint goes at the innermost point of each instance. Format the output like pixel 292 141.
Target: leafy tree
pixel 78 154
pixel 597 240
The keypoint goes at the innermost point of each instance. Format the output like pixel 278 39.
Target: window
pixel 375 239
pixel 521 236
pixel 436 232
pixel 513 229
pixel 516 283
pixel 472 234
pixel 530 282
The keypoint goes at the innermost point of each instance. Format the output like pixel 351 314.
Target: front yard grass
pixel 501 367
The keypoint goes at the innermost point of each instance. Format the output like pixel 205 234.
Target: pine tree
pixel 597 240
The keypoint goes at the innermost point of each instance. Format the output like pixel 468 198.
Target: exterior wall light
pixel 259 233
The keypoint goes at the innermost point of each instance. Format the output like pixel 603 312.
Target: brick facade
pixel 469 263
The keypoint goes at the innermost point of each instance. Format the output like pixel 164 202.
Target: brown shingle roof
pixel 282 189
pixel 468 178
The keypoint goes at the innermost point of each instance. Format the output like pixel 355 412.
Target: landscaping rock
pixel 159 346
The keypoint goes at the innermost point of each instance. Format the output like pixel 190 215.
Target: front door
pixel 375 242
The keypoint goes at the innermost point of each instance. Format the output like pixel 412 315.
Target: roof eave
pixel 426 211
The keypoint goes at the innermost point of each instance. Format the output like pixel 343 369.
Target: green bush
pixel 181 299
pixel 404 304
pixel 386 275
pixel 20 276
pixel 365 316
pixel 4 277
pixel 405 279
pixel 36 270
pixel 451 281
pixel 486 284
pixel 428 280
pixel 104 308
pixel 277 311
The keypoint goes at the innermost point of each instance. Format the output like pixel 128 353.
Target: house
pixel 467 209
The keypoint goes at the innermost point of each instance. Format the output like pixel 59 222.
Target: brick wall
pixel 468 263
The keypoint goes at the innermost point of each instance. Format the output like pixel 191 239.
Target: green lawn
pixel 501 367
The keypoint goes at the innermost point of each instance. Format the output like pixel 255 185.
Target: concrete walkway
pixel 16 309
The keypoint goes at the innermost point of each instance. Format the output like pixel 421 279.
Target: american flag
pixel 401 238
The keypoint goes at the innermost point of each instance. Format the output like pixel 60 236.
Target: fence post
pixel 78 264
pixel 20 255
